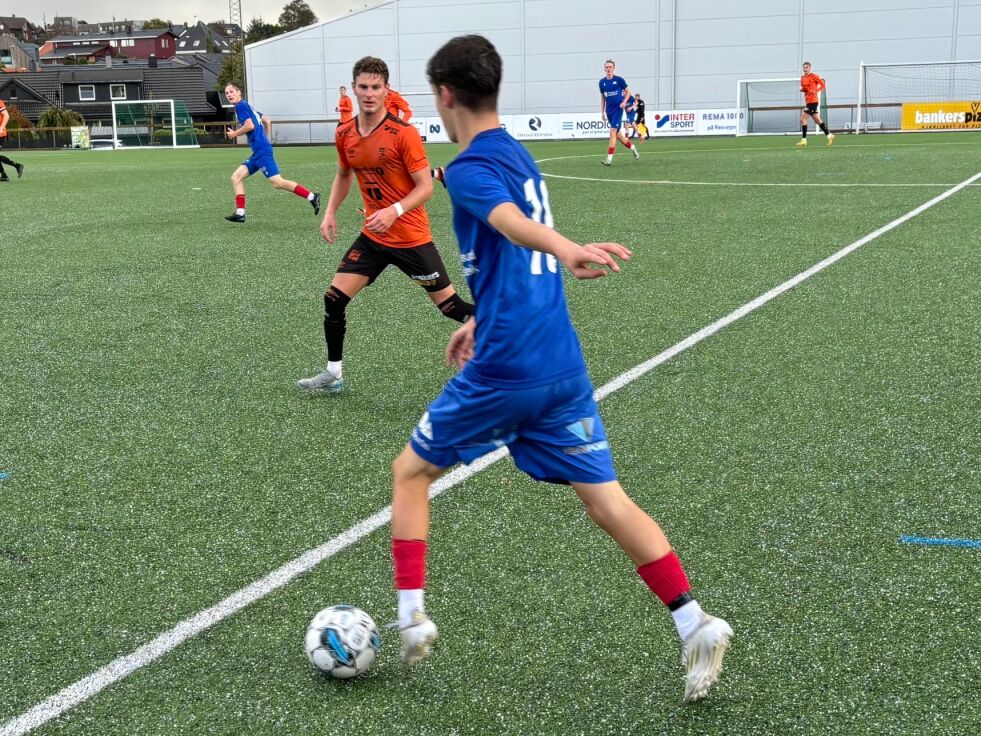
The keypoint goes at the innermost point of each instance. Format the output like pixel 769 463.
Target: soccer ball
pixel 342 641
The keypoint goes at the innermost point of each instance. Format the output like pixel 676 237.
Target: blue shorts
pixel 631 115
pixel 615 116
pixel 263 162
pixel 554 432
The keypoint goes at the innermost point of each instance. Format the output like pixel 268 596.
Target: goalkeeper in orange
pixel 812 85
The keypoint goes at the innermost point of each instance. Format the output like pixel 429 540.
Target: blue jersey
pixel 612 89
pixel 257 136
pixel 524 335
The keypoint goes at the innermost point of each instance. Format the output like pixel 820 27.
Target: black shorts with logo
pixel 811 108
pixel 422 263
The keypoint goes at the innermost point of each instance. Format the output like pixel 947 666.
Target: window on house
pixel 117 91
pixel 183 44
pixel 129 42
pixel 164 43
pixel 86 92
pixel 197 43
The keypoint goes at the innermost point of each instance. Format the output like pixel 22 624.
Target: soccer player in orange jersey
pixel 4 117
pixel 812 85
pixel 344 106
pixel 397 105
pixel 387 158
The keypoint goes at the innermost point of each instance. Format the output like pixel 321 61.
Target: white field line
pixel 119 668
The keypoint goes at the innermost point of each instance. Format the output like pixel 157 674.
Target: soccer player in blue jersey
pixel 614 94
pixel 257 127
pixel 522 380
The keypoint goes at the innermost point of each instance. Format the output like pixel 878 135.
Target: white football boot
pixel 701 656
pixel 417 638
pixel 324 381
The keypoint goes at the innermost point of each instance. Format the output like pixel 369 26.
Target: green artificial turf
pixel 159 456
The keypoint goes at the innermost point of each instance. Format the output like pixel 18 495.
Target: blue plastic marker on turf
pixel 4 475
pixel 941 541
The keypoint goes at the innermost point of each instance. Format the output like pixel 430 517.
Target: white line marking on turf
pixel 119 668
pixel 818 185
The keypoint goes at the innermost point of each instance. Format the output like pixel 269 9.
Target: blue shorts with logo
pixel 554 432
pixel 631 114
pixel 615 116
pixel 263 162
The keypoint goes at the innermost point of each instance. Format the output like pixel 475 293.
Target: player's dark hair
pixel 471 67
pixel 371 65
pixel 609 61
pixel 236 85
pixel 806 63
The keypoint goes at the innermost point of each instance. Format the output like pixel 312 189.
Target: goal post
pixel 772 106
pixel 930 95
pixel 152 123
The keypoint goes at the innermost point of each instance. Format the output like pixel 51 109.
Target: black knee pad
pixel 456 308
pixel 335 303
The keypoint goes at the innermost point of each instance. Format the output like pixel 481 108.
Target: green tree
pixel 258 30
pixel 17 118
pixel 296 14
pixel 59 117
pixel 155 24
pixel 233 68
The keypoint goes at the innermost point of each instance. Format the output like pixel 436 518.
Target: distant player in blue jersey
pixel 258 128
pixel 614 94
pixel 522 381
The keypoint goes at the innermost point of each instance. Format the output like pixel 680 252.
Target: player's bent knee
pixel 335 304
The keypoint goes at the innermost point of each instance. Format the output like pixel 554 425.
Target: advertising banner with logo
pixel 433 130
pixel 942 115
pixel 535 127
pixel 719 122
pixel 672 122
pixel 582 126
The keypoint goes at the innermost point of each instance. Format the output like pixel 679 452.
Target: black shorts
pixel 422 263
pixel 811 108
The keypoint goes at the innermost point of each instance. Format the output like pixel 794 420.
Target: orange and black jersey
pixel 811 85
pixel 383 161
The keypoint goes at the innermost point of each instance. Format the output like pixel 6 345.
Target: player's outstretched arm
pixel 582 261
pixel 338 193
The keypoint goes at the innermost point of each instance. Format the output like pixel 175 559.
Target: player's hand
pixel 460 349
pixel 380 220
pixel 623 105
pixel 328 228
pixel 591 260
pixel 229 134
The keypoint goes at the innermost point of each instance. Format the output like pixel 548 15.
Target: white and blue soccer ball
pixel 342 641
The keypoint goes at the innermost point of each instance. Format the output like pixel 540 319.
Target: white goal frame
pixel 173 124
pixel 861 104
pixel 743 119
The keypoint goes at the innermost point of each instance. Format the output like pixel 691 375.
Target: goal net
pixel 772 106
pixel 146 123
pixel 943 95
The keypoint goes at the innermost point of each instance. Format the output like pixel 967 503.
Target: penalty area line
pixel 123 666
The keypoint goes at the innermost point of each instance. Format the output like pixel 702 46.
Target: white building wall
pixel 679 54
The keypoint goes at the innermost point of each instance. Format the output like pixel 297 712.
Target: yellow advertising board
pixel 942 115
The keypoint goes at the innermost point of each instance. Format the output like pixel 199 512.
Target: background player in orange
pixel 812 85
pixel 345 106
pixel 397 105
pixel 387 157
pixel 4 117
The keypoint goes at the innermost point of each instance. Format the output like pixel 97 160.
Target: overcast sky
pixel 178 11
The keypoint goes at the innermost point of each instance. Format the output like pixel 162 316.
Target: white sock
pixel 334 366
pixel 410 601
pixel 310 197
pixel 687 618
pixel 609 158
pixel 239 211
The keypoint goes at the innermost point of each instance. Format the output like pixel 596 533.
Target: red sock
pixel 410 563
pixel 665 577
pixel 301 191
pixel 240 201
pixel 628 144
pixel 611 149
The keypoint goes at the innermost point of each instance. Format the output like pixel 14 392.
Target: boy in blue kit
pixel 257 127
pixel 614 94
pixel 522 380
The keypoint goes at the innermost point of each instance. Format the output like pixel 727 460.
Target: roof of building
pixel 195 40
pixel 98 37
pixel 103 74
pixel 13 22
pixel 68 51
